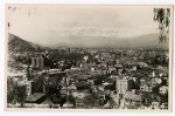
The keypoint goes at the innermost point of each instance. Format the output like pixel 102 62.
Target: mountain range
pixel 145 41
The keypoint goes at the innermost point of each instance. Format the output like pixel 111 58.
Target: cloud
pixel 70 24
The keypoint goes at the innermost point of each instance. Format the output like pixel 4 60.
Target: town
pixel 90 78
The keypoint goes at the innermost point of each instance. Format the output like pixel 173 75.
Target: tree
pixel 16 92
pixel 21 93
pixel 162 16
pixel 10 90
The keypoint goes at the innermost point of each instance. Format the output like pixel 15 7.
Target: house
pixel 68 105
pixel 155 105
pixel 164 106
pixel 37 61
pixel 29 88
pixel 79 102
pixel 122 85
pixel 115 99
pixel 134 68
pixel 101 95
pixel 163 90
pixel 142 81
pixel 133 99
pixel 143 64
pixel 90 81
pixel 155 81
pixel 153 74
pixel 145 88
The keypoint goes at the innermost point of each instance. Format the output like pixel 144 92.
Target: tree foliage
pixel 15 93
pixel 162 16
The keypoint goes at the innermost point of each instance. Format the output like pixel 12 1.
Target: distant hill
pixel 17 44
pixel 144 41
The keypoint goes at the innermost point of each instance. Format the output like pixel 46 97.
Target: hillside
pixel 17 44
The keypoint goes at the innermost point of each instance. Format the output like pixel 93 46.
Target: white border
pixel 2 54
pixel 93 1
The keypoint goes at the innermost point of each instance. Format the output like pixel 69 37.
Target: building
pixel 153 74
pixel 79 103
pixel 145 88
pixel 101 95
pixel 115 100
pixel 68 105
pixel 133 99
pixel 163 90
pixel 164 106
pixel 30 88
pixel 155 81
pixel 122 85
pixel 101 98
pixel 16 77
pixel 155 105
pixel 142 81
pixel 37 61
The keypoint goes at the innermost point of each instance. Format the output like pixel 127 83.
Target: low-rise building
pixel 155 105
pixel 101 95
pixel 79 102
pixel 122 85
pixel 37 61
pixel 145 88
pixel 155 81
pixel 115 100
pixel 133 99
pixel 29 88
pixel 68 105
pixel 163 90
pixel 164 106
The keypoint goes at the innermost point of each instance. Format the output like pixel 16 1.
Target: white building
pixel 163 90
pixel 122 85
pixel 29 88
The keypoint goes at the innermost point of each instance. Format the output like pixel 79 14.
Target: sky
pixel 79 24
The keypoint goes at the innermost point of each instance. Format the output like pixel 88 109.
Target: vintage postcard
pixel 113 57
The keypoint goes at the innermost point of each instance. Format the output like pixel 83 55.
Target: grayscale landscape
pixel 88 57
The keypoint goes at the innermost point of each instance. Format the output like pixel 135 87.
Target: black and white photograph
pixel 115 57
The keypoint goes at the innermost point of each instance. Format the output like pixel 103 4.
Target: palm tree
pixel 162 16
